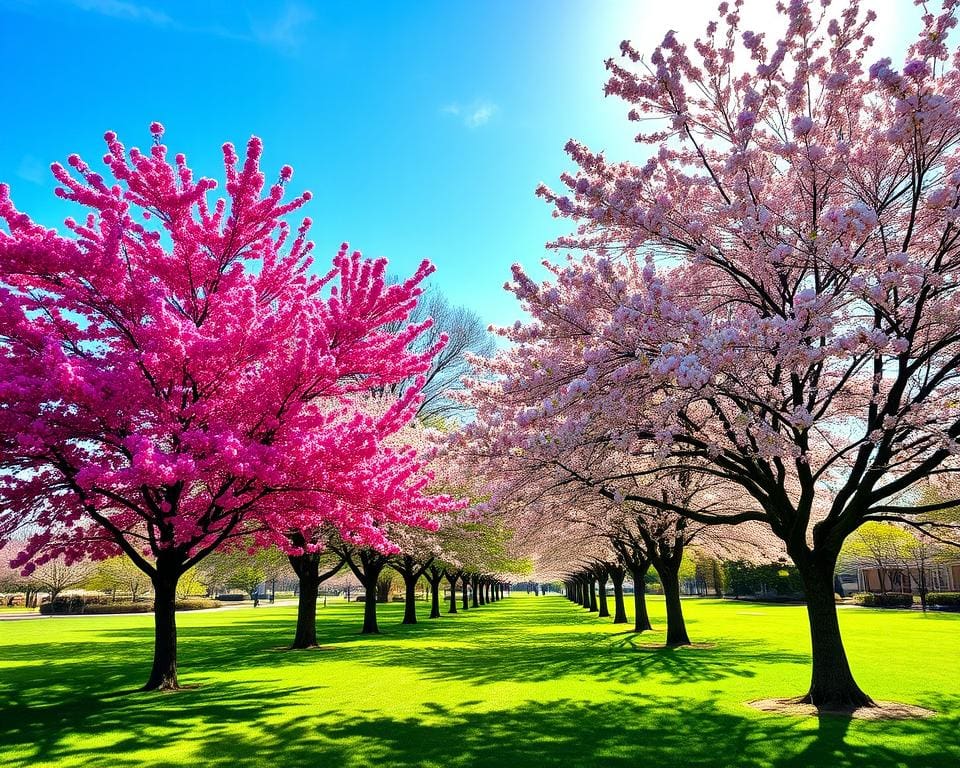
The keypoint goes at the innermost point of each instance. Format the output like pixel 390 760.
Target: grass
pixel 526 681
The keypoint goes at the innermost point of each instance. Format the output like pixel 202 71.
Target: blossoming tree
pixel 772 296
pixel 172 374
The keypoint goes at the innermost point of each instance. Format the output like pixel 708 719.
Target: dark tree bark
pixel 411 571
pixel 309 577
pixel 832 686
pixel 602 576
pixel 592 596
pixel 617 575
pixel 163 674
pixel 480 587
pixel 383 588
pixel 434 577
pixel 669 573
pixel 465 581
pixel 474 581
pixel 409 600
pixel 452 577
pixel 367 565
pixel 638 572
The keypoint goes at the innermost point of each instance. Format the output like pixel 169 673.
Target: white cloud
pixel 120 9
pixel 32 170
pixel 473 115
pixel 278 26
pixel 286 30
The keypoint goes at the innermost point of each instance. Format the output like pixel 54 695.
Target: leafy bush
pixel 197 604
pixel 80 604
pixel 889 600
pixel 944 599
pixel 71 604
pixel 144 606
pixel 233 597
pixel 743 578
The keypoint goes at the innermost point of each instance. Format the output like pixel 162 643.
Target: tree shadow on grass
pixel 235 724
pixel 664 732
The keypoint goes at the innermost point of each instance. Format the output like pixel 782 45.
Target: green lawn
pixel 524 682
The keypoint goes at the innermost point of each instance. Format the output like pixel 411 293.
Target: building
pixel 939 577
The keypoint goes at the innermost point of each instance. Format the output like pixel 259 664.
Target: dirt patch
pixel 884 710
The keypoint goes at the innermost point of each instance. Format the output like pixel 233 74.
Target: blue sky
pixel 422 128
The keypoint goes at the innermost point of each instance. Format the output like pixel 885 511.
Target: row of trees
pixel 762 328
pixel 468 554
pixel 177 380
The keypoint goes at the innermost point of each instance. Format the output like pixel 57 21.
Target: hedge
pixel 944 599
pixel 744 578
pixel 889 600
pixel 77 604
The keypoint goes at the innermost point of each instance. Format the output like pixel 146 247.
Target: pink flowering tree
pixel 173 375
pixel 379 501
pixel 771 295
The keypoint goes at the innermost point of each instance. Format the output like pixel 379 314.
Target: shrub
pixel 77 604
pixel 197 604
pixel 232 597
pixel 72 604
pixel 744 578
pixel 144 606
pixel 944 599
pixel 889 600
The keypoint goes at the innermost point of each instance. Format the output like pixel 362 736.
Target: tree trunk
pixel 307 568
pixel 602 599
pixel 371 583
pixel 466 599
pixel 453 595
pixel 382 588
pixel 480 588
pixel 409 599
pixel 619 609
pixel 676 626
pixel 641 619
pixel 832 686
pixel 473 584
pixel 435 597
pixel 370 626
pixel 592 597
pixel 163 675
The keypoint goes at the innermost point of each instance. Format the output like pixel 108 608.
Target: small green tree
pixel 119 574
pixel 882 546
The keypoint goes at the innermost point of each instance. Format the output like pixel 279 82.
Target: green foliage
pixel 878 544
pixel 741 577
pixel 944 599
pixel 238 568
pixel 688 567
pixel 888 600
pixel 119 574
